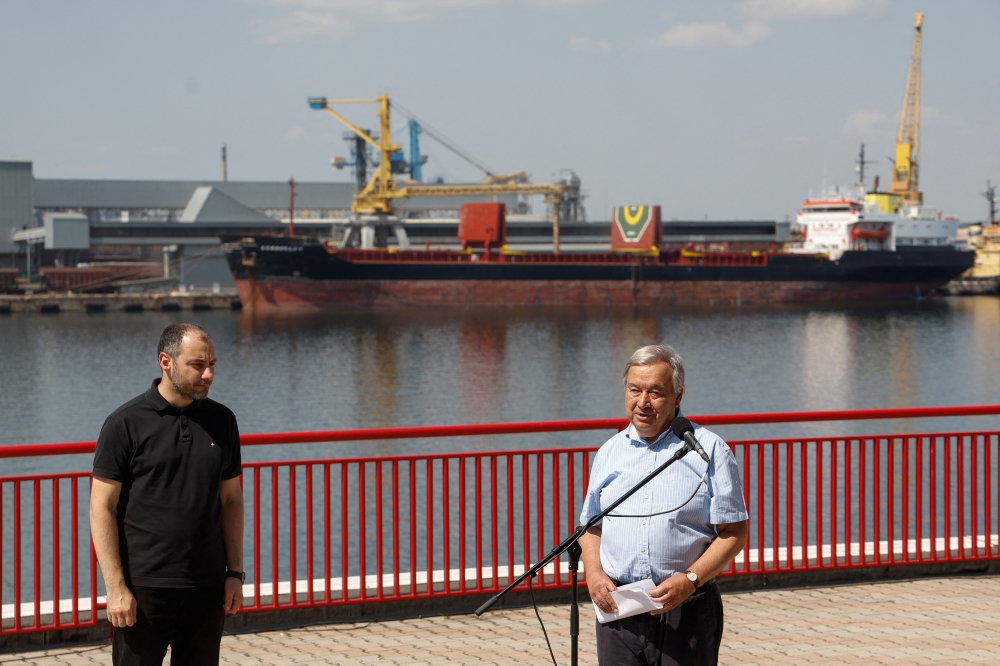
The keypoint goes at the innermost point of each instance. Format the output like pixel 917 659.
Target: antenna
pixel 861 162
pixel 225 174
pixel 991 196
pixel 291 206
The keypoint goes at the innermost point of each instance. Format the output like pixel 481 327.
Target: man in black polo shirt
pixel 166 511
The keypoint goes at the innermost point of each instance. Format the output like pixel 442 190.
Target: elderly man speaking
pixel 679 530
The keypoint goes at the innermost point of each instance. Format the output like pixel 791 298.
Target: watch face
pixel 692 576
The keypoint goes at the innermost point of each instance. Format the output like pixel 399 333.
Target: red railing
pixel 368 529
pixel 65 555
pixel 416 432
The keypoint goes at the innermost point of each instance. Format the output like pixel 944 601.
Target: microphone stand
pixel 571 544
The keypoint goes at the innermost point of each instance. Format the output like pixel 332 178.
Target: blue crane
pixel 361 158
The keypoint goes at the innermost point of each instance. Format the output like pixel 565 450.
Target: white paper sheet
pixel 631 599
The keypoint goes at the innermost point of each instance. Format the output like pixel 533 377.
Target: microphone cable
pixel 538 615
pixel 676 508
pixel 534 606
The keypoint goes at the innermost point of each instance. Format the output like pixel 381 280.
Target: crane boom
pixel 905 179
pixel 382 190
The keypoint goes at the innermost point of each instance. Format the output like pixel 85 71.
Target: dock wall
pixel 120 302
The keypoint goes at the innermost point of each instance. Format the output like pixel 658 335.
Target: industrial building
pixel 63 222
pixel 177 224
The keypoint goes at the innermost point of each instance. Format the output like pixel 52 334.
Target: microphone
pixel 684 430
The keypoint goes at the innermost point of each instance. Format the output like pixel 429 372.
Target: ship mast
pixel 906 166
pixel 991 196
pixel 862 162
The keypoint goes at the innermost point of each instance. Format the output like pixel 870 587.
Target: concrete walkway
pixel 937 620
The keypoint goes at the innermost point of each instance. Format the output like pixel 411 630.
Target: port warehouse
pixel 142 220
pixel 346 539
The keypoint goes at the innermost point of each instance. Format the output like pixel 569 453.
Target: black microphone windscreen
pixel 681 426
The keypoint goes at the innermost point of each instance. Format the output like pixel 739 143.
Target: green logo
pixel 632 221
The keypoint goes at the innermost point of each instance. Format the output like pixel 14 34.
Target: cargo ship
pixel 847 247
pixel 844 253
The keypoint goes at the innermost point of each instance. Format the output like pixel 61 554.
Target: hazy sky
pixel 725 109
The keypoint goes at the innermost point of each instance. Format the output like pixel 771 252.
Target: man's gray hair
pixel 659 354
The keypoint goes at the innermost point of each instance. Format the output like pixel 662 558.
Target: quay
pixel 172 301
pixel 952 620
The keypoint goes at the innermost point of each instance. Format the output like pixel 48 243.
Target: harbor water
pixel 61 375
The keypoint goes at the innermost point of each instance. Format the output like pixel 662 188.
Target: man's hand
pixel 598 582
pixel 232 597
pixel 231 498
pixel 601 587
pixel 671 593
pixel 121 607
pixel 104 493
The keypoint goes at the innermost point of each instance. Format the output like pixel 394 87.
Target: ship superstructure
pixel 834 225
pixel 842 220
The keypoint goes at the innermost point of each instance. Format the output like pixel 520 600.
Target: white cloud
pixel 757 13
pixel 797 10
pixel 705 35
pixel 301 24
pixel 928 112
pixel 589 45
pixel 863 124
pixel 411 10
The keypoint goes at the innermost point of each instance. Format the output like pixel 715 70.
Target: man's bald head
pixel 173 336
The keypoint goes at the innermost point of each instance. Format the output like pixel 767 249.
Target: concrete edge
pixel 466 604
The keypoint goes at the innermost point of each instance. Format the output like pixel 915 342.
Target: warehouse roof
pixel 151 194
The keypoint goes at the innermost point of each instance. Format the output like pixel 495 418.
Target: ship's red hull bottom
pixel 302 293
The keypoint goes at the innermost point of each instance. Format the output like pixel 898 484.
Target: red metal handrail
pixel 350 530
pixel 468 430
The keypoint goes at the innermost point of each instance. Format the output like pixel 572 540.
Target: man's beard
pixel 187 390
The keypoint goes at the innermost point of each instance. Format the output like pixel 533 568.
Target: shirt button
pixel 644 522
pixel 642 550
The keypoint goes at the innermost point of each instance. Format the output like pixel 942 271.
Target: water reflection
pixel 61 376
pixel 826 358
pixel 482 348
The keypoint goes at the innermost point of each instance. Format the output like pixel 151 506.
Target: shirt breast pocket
pixel 698 509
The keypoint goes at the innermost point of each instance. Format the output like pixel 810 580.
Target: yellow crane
pixel 382 189
pixel 907 163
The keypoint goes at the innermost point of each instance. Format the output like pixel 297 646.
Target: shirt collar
pixel 633 434
pixel 160 403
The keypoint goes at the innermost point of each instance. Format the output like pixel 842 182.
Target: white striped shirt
pixel 658 547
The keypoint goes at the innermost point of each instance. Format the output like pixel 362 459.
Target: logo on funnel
pixel 632 221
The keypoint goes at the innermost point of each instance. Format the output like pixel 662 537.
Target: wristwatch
pixel 693 577
pixel 242 575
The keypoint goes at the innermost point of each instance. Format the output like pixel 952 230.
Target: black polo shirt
pixel 170 463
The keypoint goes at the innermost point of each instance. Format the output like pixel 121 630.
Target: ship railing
pixel 377 529
pixel 688 258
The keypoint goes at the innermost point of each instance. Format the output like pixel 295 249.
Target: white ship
pixel 845 219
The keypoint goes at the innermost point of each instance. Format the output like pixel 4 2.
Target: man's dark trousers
pixel 188 619
pixel 689 635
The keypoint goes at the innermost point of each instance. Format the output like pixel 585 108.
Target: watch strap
pixel 237 574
